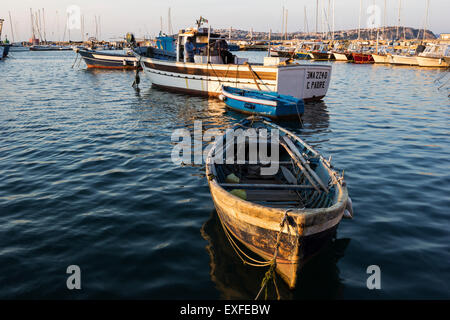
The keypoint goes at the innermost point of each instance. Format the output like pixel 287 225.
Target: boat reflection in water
pixel 318 276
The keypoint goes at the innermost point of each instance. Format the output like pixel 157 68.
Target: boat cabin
pixel 208 47
pixel 436 51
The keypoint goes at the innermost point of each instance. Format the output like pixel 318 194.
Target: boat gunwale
pixel 255 67
pixel 275 213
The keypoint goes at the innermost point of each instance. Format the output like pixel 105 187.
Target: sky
pixel 142 17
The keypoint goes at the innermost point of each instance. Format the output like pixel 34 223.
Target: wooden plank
pixel 272 196
pixel 305 164
pixel 311 180
pixel 266 186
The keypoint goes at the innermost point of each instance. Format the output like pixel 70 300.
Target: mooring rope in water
pixel 76 57
pixel 270 274
pixel 237 249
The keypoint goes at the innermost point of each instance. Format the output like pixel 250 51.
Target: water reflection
pixel 317 278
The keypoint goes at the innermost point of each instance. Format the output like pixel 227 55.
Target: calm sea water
pixel 86 179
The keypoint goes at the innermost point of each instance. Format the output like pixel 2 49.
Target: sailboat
pixel 435 56
pixel 4 47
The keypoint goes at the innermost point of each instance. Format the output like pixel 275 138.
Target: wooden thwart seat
pixel 257 186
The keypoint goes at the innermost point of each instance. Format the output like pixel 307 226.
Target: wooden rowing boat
pixel 304 194
pixel 270 104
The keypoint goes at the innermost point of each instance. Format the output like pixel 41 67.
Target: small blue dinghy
pixel 269 104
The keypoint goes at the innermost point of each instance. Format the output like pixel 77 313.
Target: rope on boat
pixel 237 249
pixel 76 57
pixel 270 274
pixel 253 75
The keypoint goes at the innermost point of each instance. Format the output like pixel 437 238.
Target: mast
pixel 317 15
pixel 43 19
pixel 12 30
pixel 398 24
pixel 359 21
pixel 282 25
pixel 57 26
pixel 384 21
pixel 426 20
pixel 32 24
pixel 285 27
pixel 169 23
pixel 304 20
pixel 334 3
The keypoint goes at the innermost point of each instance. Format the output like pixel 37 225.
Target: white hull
pixel 404 60
pixel 381 58
pixel 432 62
pixel 340 56
pixel 308 82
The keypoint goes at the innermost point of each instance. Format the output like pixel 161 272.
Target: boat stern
pixel 307 82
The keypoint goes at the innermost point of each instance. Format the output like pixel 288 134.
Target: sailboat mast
pixel 12 30
pixel 334 5
pixel 384 21
pixel 426 20
pixel 43 20
pixel 359 21
pixel 317 15
pixel 398 24
pixel 285 27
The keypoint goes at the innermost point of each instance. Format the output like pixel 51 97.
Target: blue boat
pixel 269 104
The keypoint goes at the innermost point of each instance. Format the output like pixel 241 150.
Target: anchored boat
pixel 285 210
pixel 212 66
pixel 270 104
pixel 434 56
pixel 107 60
pixel 362 58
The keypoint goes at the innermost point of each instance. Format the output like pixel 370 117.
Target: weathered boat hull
pixel 306 82
pixel 404 60
pixel 432 62
pixel 104 60
pixel 257 226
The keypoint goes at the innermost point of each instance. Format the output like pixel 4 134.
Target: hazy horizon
pixel 143 18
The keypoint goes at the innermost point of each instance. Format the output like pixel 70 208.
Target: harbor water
pixel 86 179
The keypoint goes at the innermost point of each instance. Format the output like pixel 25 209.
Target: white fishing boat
pixel 212 67
pixel 338 56
pixel 382 58
pixel 434 56
pixel 404 60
